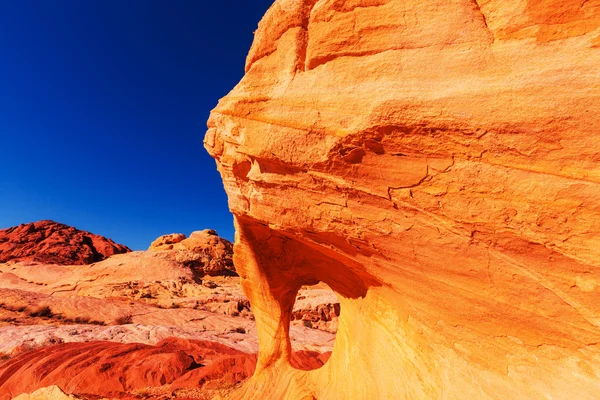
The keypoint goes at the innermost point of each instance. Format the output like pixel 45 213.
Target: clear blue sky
pixel 103 109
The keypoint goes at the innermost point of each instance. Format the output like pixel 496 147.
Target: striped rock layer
pixel 437 164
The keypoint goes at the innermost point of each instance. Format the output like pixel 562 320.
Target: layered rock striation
pixel 437 164
pixel 102 369
pixel 55 243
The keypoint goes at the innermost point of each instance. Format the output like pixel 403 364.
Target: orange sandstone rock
pixel 437 164
pixel 166 242
pixel 204 251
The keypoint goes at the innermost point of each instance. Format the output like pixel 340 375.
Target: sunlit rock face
pixel 204 252
pixel 437 164
pixel 55 243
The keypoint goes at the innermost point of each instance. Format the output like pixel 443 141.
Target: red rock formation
pixel 204 251
pixel 54 243
pixel 116 369
pixel 436 163
pixel 108 368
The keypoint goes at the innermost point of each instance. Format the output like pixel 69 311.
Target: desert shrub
pixel 41 311
pixel 124 320
pixel 15 308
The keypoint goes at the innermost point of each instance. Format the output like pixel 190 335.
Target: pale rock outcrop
pixel 437 164
pixel 47 393
pixel 134 275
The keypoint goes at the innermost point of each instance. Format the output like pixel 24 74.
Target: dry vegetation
pixel 124 320
pixel 43 312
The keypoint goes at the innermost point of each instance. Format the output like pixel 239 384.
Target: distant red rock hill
pixel 55 243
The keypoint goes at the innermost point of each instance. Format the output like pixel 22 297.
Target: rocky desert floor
pixel 140 325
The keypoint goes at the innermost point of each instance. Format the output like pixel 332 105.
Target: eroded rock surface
pixel 204 251
pixel 167 370
pixel 50 313
pixel 437 164
pixel 115 369
pixel 54 243
pixel 140 297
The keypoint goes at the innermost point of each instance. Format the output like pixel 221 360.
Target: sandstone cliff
pixel 437 164
pixel 54 243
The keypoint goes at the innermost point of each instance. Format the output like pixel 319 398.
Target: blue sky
pixel 103 109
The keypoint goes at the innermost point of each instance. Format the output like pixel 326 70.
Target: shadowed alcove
pixel 275 265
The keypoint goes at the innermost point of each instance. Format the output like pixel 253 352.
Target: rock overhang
pixel 445 157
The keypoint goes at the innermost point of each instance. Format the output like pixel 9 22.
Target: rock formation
pixel 204 251
pixel 437 164
pixel 137 324
pixel 113 369
pixel 166 242
pixel 54 319
pixel 117 370
pixel 54 243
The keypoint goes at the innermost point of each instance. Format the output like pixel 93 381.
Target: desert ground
pixel 100 313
